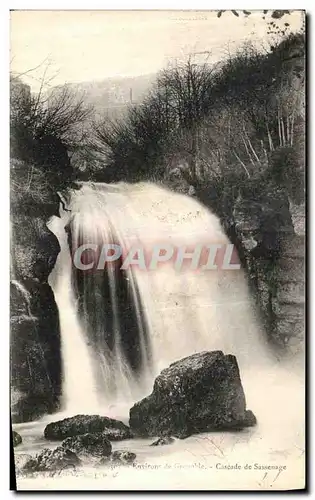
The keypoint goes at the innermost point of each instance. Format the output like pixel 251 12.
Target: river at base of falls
pixel 198 462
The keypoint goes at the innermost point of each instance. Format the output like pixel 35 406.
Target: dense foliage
pixel 237 121
pixel 45 128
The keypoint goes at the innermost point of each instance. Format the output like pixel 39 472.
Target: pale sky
pixel 93 45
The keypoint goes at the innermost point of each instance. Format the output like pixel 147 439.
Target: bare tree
pixel 46 127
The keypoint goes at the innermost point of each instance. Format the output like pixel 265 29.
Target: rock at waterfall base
pixel 117 434
pixel 162 441
pixel 114 430
pixel 202 392
pixel 52 460
pixel 17 439
pixel 119 457
pixel 91 445
pixel 20 460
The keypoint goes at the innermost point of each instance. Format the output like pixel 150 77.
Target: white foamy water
pixel 79 394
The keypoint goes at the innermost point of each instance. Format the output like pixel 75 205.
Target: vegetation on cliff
pixel 218 124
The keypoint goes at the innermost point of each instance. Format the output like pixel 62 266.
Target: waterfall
pixel 119 328
pixel 79 392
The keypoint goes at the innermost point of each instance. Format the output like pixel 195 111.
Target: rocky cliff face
pixel 289 303
pixel 35 340
pixel 271 233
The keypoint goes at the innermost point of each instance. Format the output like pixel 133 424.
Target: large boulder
pixel 51 460
pixel 83 424
pixel 17 439
pixel 94 445
pixel 202 392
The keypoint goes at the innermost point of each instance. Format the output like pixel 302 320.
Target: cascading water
pixel 79 391
pixel 119 328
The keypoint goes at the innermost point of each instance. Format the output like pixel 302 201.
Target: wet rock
pixel 35 364
pixel 35 350
pixel 118 434
pixel 35 248
pixel 298 218
pixel 163 441
pixel 269 227
pixel 19 299
pixel 32 407
pixel 119 457
pixel 83 424
pixel 35 368
pixel 51 460
pixel 21 460
pixel 17 439
pixel 94 445
pixel 35 336
pixel 123 457
pixel 250 419
pixel 202 392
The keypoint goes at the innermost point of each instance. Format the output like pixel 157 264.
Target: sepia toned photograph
pixel 157 250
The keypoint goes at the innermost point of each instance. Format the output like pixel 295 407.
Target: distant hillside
pixel 112 96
